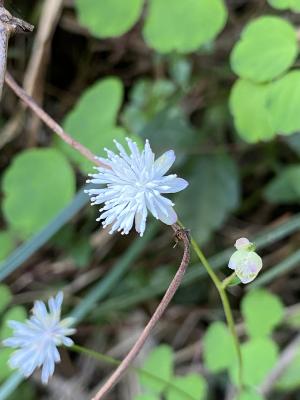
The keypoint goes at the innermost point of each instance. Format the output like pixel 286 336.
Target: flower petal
pixel 175 185
pixel 246 265
pixel 164 163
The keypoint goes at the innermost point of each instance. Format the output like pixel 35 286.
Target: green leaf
pixel 294 142
pixel 250 395
pixel 259 357
pixel 212 194
pixel 5 297
pixel 6 244
pixel 294 5
pixel 158 363
pixel 173 127
pixel 193 384
pixel 146 397
pixel 5 370
pixel 283 103
pixel 248 99
pixel 290 379
pixel 262 312
pixel 38 184
pixel 268 47
pixel 183 26
pixel 92 122
pixel 218 347
pixel 285 187
pixel 16 313
pixel 108 18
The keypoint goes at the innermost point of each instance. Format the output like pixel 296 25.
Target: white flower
pixel 245 262
pixel 36 339
pixel 134 185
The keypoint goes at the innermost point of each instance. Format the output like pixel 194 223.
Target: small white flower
pixel 135 184
pixel 36 339
pixel 245 262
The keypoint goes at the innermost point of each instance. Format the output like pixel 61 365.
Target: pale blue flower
pixel 36 339
pixel 134 185
pixel 245 262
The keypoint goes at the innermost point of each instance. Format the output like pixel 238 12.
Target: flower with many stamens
pixel 134 184
pixel 36 339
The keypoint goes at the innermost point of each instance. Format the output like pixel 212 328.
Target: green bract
pixel 283 103
pixel 108 18
pixel 183 26
pixel 268 47
pixel 36 186
pixel 248 107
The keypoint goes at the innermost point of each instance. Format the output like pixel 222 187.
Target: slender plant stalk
pixel 226 306
pixel 113 361
pixel 227 281
pixel 181 235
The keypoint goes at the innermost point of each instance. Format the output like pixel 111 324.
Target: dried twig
pixel 35 72
pixel 114 378
pixel 53 125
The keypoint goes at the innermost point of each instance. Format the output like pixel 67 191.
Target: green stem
pixel 226 306
pixel 110 360
pixel 228 280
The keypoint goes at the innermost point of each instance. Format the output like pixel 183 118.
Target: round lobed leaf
pixel 294 5
pixel 92 121
pixel 183 26
pixel 248 107
pixel 108 18
pixel 290 379
pixel 159 363
pixel 268 47
pixel 262 312
pixel 17 313
pixel 285 187
pixel 193 384
pixel 214 188
pixel 218 347
pixel 283 103
pixel 250 395
pixel 5 297
pixel 259 357
pixel 7 244
pixel 37 185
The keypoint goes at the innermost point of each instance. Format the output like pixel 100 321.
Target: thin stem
pixel 53 125
pixel 227 281
pixel 113 361
pixel 181 235
pixel 226 306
